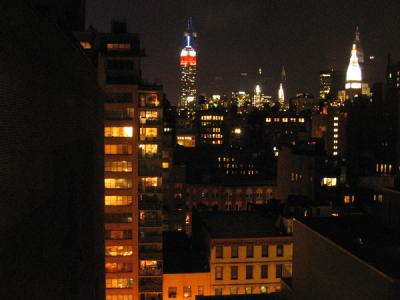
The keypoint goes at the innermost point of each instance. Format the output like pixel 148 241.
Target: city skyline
pixel 259 33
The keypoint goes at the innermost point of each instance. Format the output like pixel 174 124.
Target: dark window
pixel 172 292
pixel 120 65
pixel 234 272
pixel 249 251
pixel 219 251
pixel 249 272
pixel 219 273
pixel 264 271
pixel 218 291
pixel 118 218
pixel 279 250
pixel 234 251
pixel 279 269
pixel 264 250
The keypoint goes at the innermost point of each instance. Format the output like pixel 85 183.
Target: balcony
pixel 150 168
pixel 150 223
pixel 149 189
pixel 150 237
pixel 150 202
pixel 150 285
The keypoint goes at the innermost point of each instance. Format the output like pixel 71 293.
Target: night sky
pixel 240 36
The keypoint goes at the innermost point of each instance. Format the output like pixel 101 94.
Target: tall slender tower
pixel 281 93
pixel 188 63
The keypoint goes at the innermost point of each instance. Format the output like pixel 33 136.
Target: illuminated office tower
pixel 188 63
pixel 325 83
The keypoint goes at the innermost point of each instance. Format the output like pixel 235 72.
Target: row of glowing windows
pixel 118 166
pixel 119 297
pixel 284 120
pixel 118 200
pixel 384 168
pixel 126 183
pixel 118 149
pixel 235 166
pixel 226 159
pixel 148 132
pixel 212 136
pixel 149 115
pixel 185 138
pixel 251 172
pixel 214 118
pixel 126 131
pixel 110 46
pixel 119 283
pixel 217 142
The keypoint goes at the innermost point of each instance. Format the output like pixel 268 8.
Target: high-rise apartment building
pixel 325 83
pixel 188 64
pixel 132 166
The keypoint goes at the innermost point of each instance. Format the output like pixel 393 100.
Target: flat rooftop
pixel 180 256
pixel 240 224
pixel 365 238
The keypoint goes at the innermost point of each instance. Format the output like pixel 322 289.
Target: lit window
pixel 148 133
pixel 346 199
pixel 118 149
pixel 263 289
pixel 118 46
pixel 118 200
pixel 284 120
pixel 335 153
pixel 119 297
pixel 148 150
pixel 301 120
pixel 187 291
pixel 335 130
pixel 117 183
pixel 335 135
pixel 149 100
pixel 119 251
pixel 335 124
pixel 118 131
pixel 86 45
pixel 165 165
pixel 148 115
pixel 335 118
pixel 268 120
pixel 328 181
pixel 119 283
pixel 118 166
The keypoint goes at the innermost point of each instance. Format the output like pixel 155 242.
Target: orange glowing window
pixel 86 45
pixel 118 46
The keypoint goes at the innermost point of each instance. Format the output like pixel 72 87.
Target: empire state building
pixel 188 63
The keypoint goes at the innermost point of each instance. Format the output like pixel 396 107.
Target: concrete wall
pixel 322 270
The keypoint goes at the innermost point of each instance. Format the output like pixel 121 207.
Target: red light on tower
pixel 188 57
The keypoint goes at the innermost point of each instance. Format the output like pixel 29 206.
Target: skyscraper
pixel 132 166
pixel 325 83
pixel 281 92
pixel 188 63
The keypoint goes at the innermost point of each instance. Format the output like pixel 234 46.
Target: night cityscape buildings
pixel 114 190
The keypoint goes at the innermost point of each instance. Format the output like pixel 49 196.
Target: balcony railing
pixel 149 189
pixel 150 272
pixel 150 284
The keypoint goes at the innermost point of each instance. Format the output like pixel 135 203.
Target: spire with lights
pixel 281 93
pixel 353 75
pixel 188 63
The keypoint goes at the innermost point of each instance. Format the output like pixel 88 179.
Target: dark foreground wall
pixel 51 194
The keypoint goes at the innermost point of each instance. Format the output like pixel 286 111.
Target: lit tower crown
pixel 188 63
pixel 353 75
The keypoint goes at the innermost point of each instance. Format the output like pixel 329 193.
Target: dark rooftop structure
pixel 180 256
pixel 240 224
pixel 363 237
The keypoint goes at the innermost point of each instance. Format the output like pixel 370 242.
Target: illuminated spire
pixel 281 95
pixel 353 75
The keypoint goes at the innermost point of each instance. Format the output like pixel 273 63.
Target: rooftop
pixel 240 224
pixel 365 238
pixel 180 256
